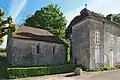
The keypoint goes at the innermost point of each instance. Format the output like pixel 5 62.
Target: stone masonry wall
pixel 80 44
pixel 30 53
pixel 111 40
pixel 86 52
pixel 96 25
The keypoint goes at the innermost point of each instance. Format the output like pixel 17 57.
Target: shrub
pixel 3 54
pixel 2 50
pixel 90 70
pixel 39 71
pixel 103 68
pixel 118 65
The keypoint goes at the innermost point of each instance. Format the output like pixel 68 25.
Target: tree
pixel 116 17
pixel 49 18
pixel 6 26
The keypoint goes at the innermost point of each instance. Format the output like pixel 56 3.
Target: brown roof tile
pixel 30 33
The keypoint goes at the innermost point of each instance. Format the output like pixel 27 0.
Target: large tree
pixel 116 17
pixel 6 26
pixel 50 18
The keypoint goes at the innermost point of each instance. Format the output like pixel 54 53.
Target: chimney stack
pixel 111 17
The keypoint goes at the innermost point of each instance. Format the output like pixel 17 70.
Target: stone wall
pixel 96 26
pixel 109 42
pixel 30 53
pixel 80 43
pixel 86 52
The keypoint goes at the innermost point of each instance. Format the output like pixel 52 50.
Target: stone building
pixel 31 46
pixel 95 41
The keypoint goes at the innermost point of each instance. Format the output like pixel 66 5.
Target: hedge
pixel 39 71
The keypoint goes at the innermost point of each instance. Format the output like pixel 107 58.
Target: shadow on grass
pixel 3 71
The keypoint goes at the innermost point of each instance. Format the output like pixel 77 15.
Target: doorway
pixel 111 58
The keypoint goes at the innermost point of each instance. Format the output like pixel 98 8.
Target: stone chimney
pixel 111 17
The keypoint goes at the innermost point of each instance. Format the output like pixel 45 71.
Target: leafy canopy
pixel 116 17
pixel 49 18
pixel 6 26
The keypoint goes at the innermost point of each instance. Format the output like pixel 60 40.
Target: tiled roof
pixel 83 14
pixel 30 33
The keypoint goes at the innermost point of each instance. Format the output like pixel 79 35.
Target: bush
pixel 118 66
pixel 103 68
pixel 3 54
pixel 93 70
pixel 39 71
pixel 2 50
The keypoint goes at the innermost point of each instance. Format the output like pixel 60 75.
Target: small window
pixel 97 38
pixel 38 47
pixel 111 40
pixel 54 49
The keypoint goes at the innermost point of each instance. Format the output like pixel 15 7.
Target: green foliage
pixel 116 17
pixel 2 50
pixel 3 54
pixel 4 29
pixel 118 65
pixel 103 68
pixel 93 69
pixel 67 42
pixel 49 18
pixel 38 71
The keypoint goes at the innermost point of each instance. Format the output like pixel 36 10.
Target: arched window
pixel 38 48
pixel 54 49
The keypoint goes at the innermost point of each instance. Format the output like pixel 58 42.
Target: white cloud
pixel 16 7
pixel 100 6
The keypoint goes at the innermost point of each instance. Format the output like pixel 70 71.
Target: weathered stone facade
pixel 23 52
pixel 80 44
pixel 95 40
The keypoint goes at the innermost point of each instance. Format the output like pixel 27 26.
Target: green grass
pixel 3 54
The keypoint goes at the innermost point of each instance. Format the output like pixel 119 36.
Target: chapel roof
pixel 30 33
